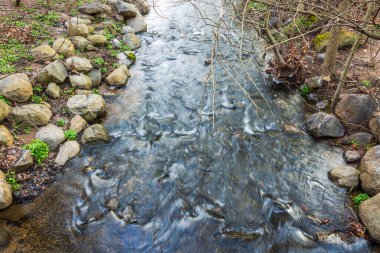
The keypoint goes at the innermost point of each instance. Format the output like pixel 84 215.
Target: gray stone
pixel 6 138
pixel 142 5
pixel 351 156
pixel 124 60
pixel 78 64
pixel 126 10
pixel 345 176
pixel 132 41
pixel 127 29
pixel 355 110
pixel 74 29
pixel 374 125
pixel 97 39
pixel 95 76
pixel 369 213
pixel 52 135
pixel 89 107
pixel 119 76
pixel 80 81
pixel 324 125
pixel 370 171
pixel 116 43
pixel 77 123
pixel 322 104
pixel 314 82
pixel 67 151
pixel 55 72
pixel 16 87
pixel 31 115
pixel 44 52
pixel 91 8
pixel 82 43
pixel 363 139
pixel 95 134
pixel 24 162
pixel 53 90
pixel 64 46
pixel 4 110
pixel 137 23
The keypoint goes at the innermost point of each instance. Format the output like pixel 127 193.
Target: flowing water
pixel 175 178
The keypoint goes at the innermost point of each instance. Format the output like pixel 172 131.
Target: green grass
pixel 71 135
pixel 11 179
pixel 360 198
pixel 99 61
pixel 11 53
pixel 39 149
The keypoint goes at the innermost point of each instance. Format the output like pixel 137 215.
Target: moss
pixel 346 39
pixel 300 25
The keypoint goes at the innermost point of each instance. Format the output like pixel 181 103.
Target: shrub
pixel 71 135
pixel 358 199
pixel 39 150
pixel 11 178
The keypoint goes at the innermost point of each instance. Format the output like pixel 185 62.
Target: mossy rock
pixel 346 39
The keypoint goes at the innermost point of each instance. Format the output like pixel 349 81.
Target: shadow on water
pixel 170 182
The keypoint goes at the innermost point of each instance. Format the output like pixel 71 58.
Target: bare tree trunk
pixel 272 41
pixel 347 65
pixel 332 47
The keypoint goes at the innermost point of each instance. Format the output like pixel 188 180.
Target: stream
pixel 193 168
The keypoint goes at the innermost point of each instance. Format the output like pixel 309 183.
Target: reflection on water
pixel 170 182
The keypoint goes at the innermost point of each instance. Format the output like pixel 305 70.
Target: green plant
pixel 71 135
pixel 104 70
pixel 29 68
pixel 369 146
pixel 37 99
pixel 116 65
pixel 355 143
pixel 12 52
pixel 69 91
pixel 358 199
pixel 39 149
pixel 305 90
pixel 27 130
pixel 11 179
pixel 256 6
pixel 61 122
pixel 131 56
pixel 37 89
pixel 5 100
pixel 96 91
pixel 366 83
pixel 99 61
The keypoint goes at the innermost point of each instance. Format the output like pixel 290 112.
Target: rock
pixel 363 139
pixel 95 76
pixel 55 72
pixel 355 109
pixel 77 123
pixel 119 17
pixel 132 41
pixel 124 60
pixel 321 105
pixel 86 16
pixel 119 76
pixel 345 176
pixel 52 135
pixel 4 238
pixel 31 114
pixel 95 8
pixel 5 193
pixel 95 134
pixel 78 64
pixel 370 171
pixel 67 151
pixel 346 40
pixel 78 30
pixel 126 10
pixel 116 43
pixel 97 39
pixel 369 213
pixel 83 92
pixel 351 156
pixel 312 97
pixel 137 23
pixel 89 107
pixel 142 6
pixel 127 29
pixel 102 16
pixel 80 81
pixel 374 125
pixel 16 87
pixel 77 21
pixel 324 125
pixel 82 43
pixel 4 110
pixel 314 82
pixel 53 90
pixel 64 46
pixel 321 57
pixel 24 162
pixel 44 52
pixel 6 138
pixel 112 204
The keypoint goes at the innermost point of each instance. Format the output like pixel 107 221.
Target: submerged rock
pixel 345 176
pixel 55 72
pixel 16 87
pixel 31 115
pixel 64 46
pixel 95 134
pixel 369 213
pixel 24 162
pixel 4 110
pixel 370 171
pixel 119 76
pixel 6 138
pixel 88 106
pixel 324 125
pixel 67 151
pixel 52 135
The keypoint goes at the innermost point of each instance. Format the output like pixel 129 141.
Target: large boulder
pixel 119 76
pixel 6 138
pixel 16 87
pixel 52 135
pixel 322 124
pixel 80 81
pixel 78 30
pixel 82 43
pixel 64 46
pixel 345 176
pixel 95 134
pixel 369 212
pixel 4 110
pixel 67 151
pixel 374 125
pixel 126 10
pixel 137 23
pixel 370 171
pixel 78 64
pixel 24 162
pixel 346 39
pixel 132 41
pixel 88 106
pixel 44 52
pixel 31 114
pixel 355 109
pixel 5 192
pixel 54 72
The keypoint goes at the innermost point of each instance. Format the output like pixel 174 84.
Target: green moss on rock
pixel 346 39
